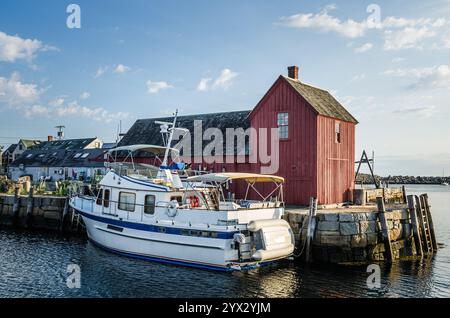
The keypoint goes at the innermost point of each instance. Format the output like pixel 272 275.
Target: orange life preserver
pixel 196 202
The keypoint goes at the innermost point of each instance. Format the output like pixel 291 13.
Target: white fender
pixel 255 226
pixel 265 255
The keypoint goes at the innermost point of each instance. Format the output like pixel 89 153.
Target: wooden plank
pixel 430 221
pixel 385 228
pixel 415 225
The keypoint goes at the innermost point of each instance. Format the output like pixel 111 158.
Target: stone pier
pixel 37 212
pixel 353 234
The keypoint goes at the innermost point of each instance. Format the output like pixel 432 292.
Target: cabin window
pixel 177 198
pixel 149 206
pixel 100 197
pixel 127 201
pixel 106 198
pixel 283 125
pixel 338 132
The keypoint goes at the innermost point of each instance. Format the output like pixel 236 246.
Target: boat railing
pixel 138 212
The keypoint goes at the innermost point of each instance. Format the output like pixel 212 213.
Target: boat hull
pixel 123 238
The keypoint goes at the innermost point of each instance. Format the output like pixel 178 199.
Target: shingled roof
pixel 146 131
pixel 66 144
pixel 61 158
pixel 321 100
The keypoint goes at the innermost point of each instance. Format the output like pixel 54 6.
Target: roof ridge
pixel 216 113
pixel 306 84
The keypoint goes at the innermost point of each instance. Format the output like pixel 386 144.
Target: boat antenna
pixel 169 139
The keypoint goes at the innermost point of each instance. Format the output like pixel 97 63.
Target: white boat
pixel 149 213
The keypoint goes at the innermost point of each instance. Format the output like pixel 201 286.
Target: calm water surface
pixel 34 265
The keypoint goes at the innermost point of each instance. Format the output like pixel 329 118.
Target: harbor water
pixel 35 264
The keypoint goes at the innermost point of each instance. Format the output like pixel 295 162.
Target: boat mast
pixel 169 140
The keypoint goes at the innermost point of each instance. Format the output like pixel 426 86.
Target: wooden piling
pixel 64 214
pixel 430 221
pixel 16 206
pixel 30 206
pixel 385 228
pixel 311 227
pixel 415 225
pixel 405 198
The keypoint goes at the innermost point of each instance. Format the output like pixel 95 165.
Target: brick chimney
pixel 50 138
pixel 293 72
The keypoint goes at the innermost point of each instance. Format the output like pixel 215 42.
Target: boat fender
pixel 239 238
pixel 265 255
pixel 172 208
pixel 255 226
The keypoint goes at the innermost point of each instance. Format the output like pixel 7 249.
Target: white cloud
pixel 364 48
pixel 156 87
pixel 397 59
pixel 426 111
pixel 325 23
pixel 14 48
pixel 223 81
pixel 57 102
pixel 427 77
pixel 407 38
pixel 100 71
pixel 36 110
pixel 400 22
pixel 15 93
pixel 120 68
pixel 358 78
pixel 74 109
pixel 203 85
pixel 85 95
pixel 397 32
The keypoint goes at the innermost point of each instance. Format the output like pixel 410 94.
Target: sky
pixel 387 62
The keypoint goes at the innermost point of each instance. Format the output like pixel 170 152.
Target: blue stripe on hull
pixel 162 260
pixel 151 228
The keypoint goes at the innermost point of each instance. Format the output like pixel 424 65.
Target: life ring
pixel 172 208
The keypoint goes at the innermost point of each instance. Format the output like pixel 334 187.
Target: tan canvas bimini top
pixel 227 176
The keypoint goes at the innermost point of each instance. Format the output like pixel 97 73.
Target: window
pixel 77 156
pixel 127 201
pixel 177 198
pixel 85 155
pixel 338 132
pixel 106 198
pixel 100 197
pixel 283 125
pixel 149 205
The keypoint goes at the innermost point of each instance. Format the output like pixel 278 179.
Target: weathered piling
pixel 385 228
pixel 30 205
pixel 311 227
pixel 16 206
pixel 415 225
